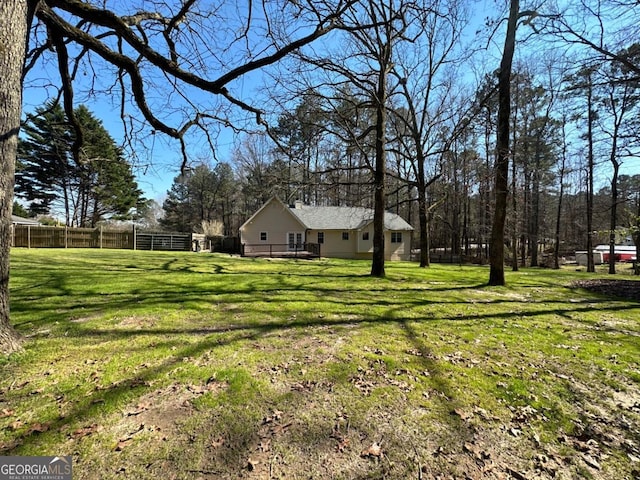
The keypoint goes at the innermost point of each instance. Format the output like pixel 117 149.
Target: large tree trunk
pixel 514 197
pixel 636 238
pixel 380 195
pixel 590 167
pixel 422 212
pixel 496 252
pixel 535 208
pixel 379 202
pixel 614 210
pixel 556 248
pixel 424 225
pixel 13 37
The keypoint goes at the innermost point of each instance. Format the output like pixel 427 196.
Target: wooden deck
pixel 273 250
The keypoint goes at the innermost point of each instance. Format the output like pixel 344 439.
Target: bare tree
pixel 360 74
pixel 432 117
pixel 603 27
pixel 562 170
pixel 176 64
pixel 496 253
pixel 582 82
pixel 619 102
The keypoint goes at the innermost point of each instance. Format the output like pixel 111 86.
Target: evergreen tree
pixel 98 185
pixel 42 172
pixel 177 207
pixel 202 194
pixel 20 211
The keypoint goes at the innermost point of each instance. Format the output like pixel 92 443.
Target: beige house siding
pixel 334 246
pixel 277 221
pixel 358 248
pixel 398 250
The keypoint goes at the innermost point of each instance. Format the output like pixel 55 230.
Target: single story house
pixel 341 232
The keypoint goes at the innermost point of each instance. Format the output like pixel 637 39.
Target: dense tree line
pixel 548 177
pixel 438 145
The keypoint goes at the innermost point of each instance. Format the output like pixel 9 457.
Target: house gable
pixel 271 224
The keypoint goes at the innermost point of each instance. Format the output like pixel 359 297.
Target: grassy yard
pixel 187 366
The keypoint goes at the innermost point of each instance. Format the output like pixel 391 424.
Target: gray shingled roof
pixel 15 219
pixel 344 218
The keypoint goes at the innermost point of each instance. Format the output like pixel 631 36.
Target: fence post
pixel 100 236
pixel 28 236
pixel 135 234
pixel 66 236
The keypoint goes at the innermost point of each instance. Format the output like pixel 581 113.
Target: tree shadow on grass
pixel 120 395
pixel 172 294
pixel 253 330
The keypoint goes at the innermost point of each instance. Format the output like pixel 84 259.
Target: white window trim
pixel 297 236
pixel 396 235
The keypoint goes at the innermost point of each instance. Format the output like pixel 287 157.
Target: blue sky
pixel 157 157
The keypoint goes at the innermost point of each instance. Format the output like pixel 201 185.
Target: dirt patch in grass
pixel 166 407
pixel 138 442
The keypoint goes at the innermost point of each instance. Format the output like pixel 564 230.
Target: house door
pixel 294 240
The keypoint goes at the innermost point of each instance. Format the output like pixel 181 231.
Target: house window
pixel 396 237
pixel 345 235
pixel 294 240
pixel 263 236
pixel 320 237
pixel 365 235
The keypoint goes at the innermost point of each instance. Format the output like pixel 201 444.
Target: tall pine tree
pixel 98 185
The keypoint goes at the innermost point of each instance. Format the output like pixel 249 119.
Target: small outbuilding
pixel 340 232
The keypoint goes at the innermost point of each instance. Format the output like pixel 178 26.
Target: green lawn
pixel 182 365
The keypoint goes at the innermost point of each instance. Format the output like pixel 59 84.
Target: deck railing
pixel 296 250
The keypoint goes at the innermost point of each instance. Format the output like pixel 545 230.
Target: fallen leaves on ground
pixel 217 443
pixel 375 374
pixel 84 431
pixel 464 416
pixel 373 450
pixel 343 445
pixel 629 289
pixel 139 408
pixel 128 439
